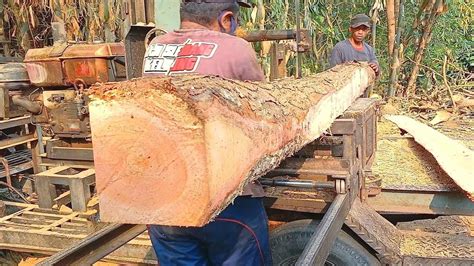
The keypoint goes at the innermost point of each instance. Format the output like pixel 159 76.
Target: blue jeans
pixel 238 236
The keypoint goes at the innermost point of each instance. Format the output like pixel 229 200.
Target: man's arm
pixel 373 62
pixel 336 57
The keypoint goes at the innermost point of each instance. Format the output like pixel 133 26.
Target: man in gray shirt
pixel 354 48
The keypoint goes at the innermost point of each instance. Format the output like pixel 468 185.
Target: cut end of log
pixel 149 159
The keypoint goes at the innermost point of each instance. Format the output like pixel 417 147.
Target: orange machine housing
pixel 64 65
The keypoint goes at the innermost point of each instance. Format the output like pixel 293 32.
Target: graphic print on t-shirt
pixel 181 58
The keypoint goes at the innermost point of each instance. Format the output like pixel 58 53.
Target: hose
pixel 32 107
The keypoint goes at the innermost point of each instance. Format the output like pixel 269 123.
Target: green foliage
pixel 328 21
pixel 452 37
pixel 28 25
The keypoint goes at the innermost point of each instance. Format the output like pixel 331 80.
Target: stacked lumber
pixel 177 151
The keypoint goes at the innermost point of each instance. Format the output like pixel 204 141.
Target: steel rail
pixel 322 240
pixel 297 183
pixel 14 122
pixel 96 246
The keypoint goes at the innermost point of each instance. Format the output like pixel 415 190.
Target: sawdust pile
pixel 400 161
pixel 386 128
pixel 461 130
pixel 453 225
pixel 422 244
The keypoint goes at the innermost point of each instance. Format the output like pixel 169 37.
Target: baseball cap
pixel 360 19
pixel 242 3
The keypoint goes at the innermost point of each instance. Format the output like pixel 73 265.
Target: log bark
pixel 454 158
pixel 176 151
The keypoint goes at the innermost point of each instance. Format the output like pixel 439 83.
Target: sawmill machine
pixel 51 84
pixel 45 119
pixel 53 89
pixel 308 207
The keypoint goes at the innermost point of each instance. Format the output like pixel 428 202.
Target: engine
pixel 52 83
pixel 64 73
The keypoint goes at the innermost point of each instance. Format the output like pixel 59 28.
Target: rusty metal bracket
pixel 6 168
pixel 377 232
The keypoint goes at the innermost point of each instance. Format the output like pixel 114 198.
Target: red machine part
pixel 62 65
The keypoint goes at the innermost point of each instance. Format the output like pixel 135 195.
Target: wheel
pixel 288 241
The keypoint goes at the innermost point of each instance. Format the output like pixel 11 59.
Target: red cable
pixel 250 231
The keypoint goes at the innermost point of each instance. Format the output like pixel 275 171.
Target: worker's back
pixel 202 51
pixel 239 234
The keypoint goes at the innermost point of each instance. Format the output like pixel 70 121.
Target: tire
pixel 287 242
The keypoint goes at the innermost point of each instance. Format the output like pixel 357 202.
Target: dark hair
pixel 205 13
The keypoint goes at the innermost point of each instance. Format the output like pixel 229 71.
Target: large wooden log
pixel 176 151
pixel 455 158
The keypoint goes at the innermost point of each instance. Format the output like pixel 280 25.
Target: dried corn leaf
pixel 441 116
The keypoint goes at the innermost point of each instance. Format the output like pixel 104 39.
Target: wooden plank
pixel 23 226
pixel 6 218
pixel 56 216
pixel 454 158
pixel 63 199
pixel 21 220
pixel 14 122
pixel 59 222
pixel 140 12
pixel 78 226
pixel 176 151
pixel 5 100
pixel 43 188
pixel 76 230
pixel 343 127
pixel 80 194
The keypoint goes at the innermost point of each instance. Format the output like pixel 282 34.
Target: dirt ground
pixel 401 162
pixel 459 126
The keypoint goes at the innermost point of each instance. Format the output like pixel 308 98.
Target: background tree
pixel 431 34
